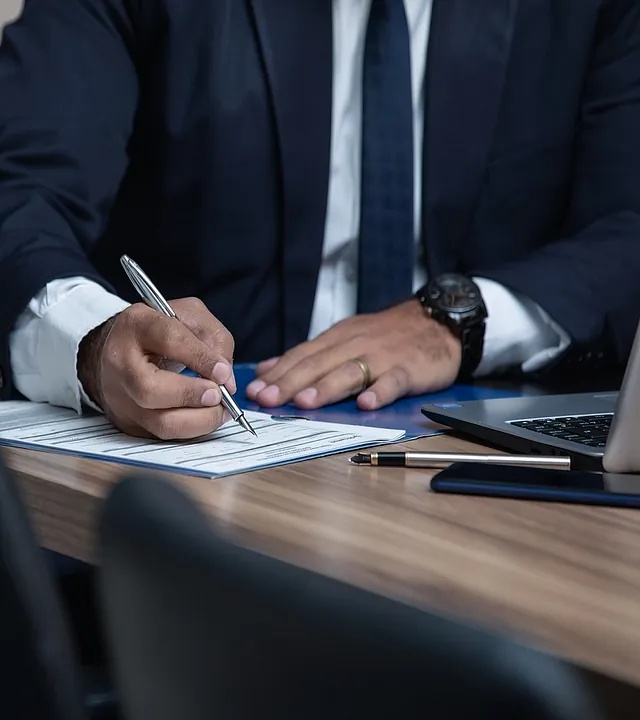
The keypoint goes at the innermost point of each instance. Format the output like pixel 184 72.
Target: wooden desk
pixel 567 578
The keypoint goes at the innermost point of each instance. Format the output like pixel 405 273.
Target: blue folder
pixel 402 415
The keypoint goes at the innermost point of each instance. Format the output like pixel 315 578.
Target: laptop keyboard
pixel 590 430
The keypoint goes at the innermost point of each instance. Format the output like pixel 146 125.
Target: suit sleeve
pixel 68 89
pixel 588 281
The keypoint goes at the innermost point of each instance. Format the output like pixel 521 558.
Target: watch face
pixel 454 293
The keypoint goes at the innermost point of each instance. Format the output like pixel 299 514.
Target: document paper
pixel 228 450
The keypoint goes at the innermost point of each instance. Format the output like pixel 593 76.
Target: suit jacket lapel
pixel 296 42
pixel 469 48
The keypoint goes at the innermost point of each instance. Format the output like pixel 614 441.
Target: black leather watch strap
pixel 472 340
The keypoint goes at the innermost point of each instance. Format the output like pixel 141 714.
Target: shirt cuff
pixel 44 345
pixel 519 333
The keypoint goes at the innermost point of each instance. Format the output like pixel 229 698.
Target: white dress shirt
pixel 44 344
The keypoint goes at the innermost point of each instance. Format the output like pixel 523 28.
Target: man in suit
pixel 305 167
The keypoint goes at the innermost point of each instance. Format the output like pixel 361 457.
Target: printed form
pixel 228 450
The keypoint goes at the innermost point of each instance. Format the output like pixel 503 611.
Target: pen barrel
pixel 229 403
pixel 389 459
pixel 436 460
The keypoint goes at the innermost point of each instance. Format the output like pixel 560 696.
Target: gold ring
pixel 366 372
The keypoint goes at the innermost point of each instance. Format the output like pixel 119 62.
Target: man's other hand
pixel 119 366
pixel 404 351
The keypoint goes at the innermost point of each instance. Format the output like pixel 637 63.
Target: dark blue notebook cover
pixel 402 415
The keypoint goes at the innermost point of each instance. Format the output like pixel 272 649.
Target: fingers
pixel 341 383
pixel 275 372
pixel 170 338
pixel 266 365
pixel 183 423
pixel 303 375
pixel 195 315
pixel 390 386
pixel 154 389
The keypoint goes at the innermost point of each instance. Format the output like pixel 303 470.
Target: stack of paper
pixel 229 450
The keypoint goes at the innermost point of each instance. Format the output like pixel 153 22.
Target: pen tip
pixel 243 421
pixel 361 459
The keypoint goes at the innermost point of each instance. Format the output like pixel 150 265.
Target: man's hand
pixel 406 353
pixel 118 366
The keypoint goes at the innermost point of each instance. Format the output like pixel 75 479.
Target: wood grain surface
pixel 566 578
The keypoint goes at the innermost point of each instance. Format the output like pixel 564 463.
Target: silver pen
pixel 151 295
pixel 439 459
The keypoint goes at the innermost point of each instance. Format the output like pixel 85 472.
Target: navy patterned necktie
pixel 386 248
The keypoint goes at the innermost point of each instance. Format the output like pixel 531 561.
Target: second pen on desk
pixel 151 295
pixel 441 459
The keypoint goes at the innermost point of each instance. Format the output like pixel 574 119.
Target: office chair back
pixel 201 628
pixel 37 663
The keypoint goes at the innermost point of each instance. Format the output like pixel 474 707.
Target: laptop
pixel 598 431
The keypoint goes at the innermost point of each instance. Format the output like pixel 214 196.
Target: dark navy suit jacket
pixel 194 135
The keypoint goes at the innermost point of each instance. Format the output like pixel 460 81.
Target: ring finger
pixel 305 374
pixel 346 380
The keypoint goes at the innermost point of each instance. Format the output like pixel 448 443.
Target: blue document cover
pixel 402 415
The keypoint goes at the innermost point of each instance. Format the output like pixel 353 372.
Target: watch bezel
pixel 433 300
pixel 436 293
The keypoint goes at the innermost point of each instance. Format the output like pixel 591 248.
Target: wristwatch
pixel 456 301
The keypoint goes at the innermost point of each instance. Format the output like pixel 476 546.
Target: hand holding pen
pixel 117 366
pixel 151 295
